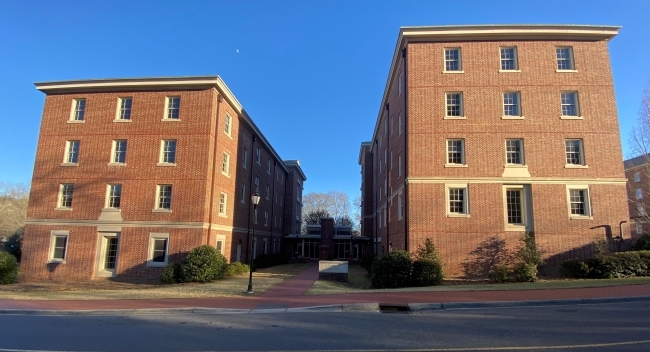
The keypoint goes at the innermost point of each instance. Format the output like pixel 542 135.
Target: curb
pixel 337 308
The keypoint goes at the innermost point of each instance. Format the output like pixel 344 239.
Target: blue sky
pixel 310 73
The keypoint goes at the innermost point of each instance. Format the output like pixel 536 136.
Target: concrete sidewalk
pixel 290 294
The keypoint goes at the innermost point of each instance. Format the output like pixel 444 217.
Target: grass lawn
pixel 233 286
pixel 359 282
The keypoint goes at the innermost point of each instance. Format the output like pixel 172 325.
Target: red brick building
pixel 638 192
pixel 131 174
pixel 488 132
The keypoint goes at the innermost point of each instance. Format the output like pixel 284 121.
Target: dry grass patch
pixel 233 286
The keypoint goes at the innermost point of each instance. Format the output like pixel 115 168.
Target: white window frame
pixel 463 162
pixel 159 197
pixel 220 239
pixel 243 193
pixel 53 235
pixel 461 106
pixel 68 150
pixel 445 60
pixel 114 152
pixel 638 193
pixel 120 115
pixel 62 194
pixel 225 164
pixel 581 153
pixel 515 59
pixel 517 104
pixel 78 115
pixel 639 228
pixel 400 83
pixel 258 155
pixel 168 108
pixel 572 67
pixel 521 152
pixel 266 218
pixel 244 164
pixel 223 204
pixel 640 208
pixel 576 99
pixel 109 190
pixel 268 191
pixel 524 225
pixel 587 204
pixel 400 166
pixel 400 206
pixel 256 182
pixel 399 125
pixel 161 157
pixel 637 177
pixel 268 165
pixel 465 189
pixel 153 236
pixel 228 125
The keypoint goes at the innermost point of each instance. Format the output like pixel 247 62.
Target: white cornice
pixel 518 180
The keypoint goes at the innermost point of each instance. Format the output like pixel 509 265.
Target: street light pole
pixel 255 199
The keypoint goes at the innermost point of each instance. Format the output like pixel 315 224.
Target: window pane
pixel 578 205
pixel 511 104
pixel 111 253
pixel 454 152
pixel 569 104
pixel 456 200
pixel 454 104
pixel 573 154
pixel 513 202
pixel 159 250
pixel 513 152
pixel 173 107
pixel 114 196
pixel 125 109
pixel 165 197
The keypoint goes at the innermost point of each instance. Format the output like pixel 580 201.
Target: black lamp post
pixel 255 199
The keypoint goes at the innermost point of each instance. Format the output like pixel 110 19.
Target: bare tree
pixel 639 144
pixel 334 203
pixel 313 217
pixel 13 207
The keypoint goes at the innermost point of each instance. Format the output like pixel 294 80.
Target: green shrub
pixel 237 268
pixel 618 265
pixel 8 268
pixel 268 260
pixel 575 268
pixel 427 251
pixel 171 274
pixel 499 273
pixel 426 272
pixel 643 243
pixel 392 270
pixel 203 264
pixel 524 272
pixel 600 246
pixel 14 243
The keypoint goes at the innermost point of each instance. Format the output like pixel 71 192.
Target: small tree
pixel 528 259
pixel 392 270
pixel 8 268
pixel 427 267
pixel 427 251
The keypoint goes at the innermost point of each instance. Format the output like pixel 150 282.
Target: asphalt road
pixel 605 327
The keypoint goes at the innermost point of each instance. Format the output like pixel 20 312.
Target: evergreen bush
pixel 426 272
pixel 8 268
pixel 203 264
pixel 171 274
pixel 499 273
pixel 237 268
pixel 575 268
pixel 643 243
pixel 392 270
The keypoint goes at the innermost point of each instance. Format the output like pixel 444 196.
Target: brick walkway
pixel 290 293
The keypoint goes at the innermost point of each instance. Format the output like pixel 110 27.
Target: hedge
pixel 8 268
pixel 617 265
pixel 426 272
pixel 203 264
pixel 237 268
pixel 392 270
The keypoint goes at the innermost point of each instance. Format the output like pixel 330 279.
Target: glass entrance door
pixel 110 258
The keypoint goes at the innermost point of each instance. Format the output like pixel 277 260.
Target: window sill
pixel 229 135
pixel 225 174
pixel 455 118
pixel 506 117
pixel 507 71
pixel 166 164
pixel 571 166
pixel 514 166
pixel 453 71
pixel 161 211
pixel 63 209
pixel 571 117
pixel 566 71
pixel 458 215
pixel 455 165
pixel 171 120
pixel 156 264
pixel 577 217
pixel 69 164
pixel 76 121
pixel 223 215
pixel 122 120
pixel 116 164
pixel 510 227
pixel 56 261
pixel 111 209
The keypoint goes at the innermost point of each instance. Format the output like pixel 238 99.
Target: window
pixel 639 193
pixel 579 202
pixel 258 156
pixel 385 127
pixel 268 191
pixel 243 193
pixel 71 152
pixel 58 245
pixel 456 151
pixel 400 84
pixel 78 110
pixel 399 165
pixel 390 126
pixel 399 125
pixel 119 152
pixel 158 249
pixel 385 217
pixel 65 195
pixel 637 177
pixel 255 216
pixel 257 184
pixel 509 59
pixel 266 218
pixel 268 166
pixel 515 207
pixel 164 197
pixel 514 152
pixel 220 246
pixel 454 104
pixel 223 199
pixel 228 126
pixel 573 150
pixel 511 104
pixel 168 152
pixel 452 59
pixel 564 58
pixel 391 161
pixel 457 198
pixel 385 156
pixel 641 209
pixel 225 164
pixel 400 206
pixel 245 161
pixel 124 108
pixel 114 196
pixel 173 108
pixel 569 101
pixel 639 228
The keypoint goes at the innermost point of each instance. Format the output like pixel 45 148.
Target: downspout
pixel 406 185
pixel 250 189
pixel 214 167
pixel 386 118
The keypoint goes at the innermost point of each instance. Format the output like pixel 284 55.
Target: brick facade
pixel 545 176
pixel 197 178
